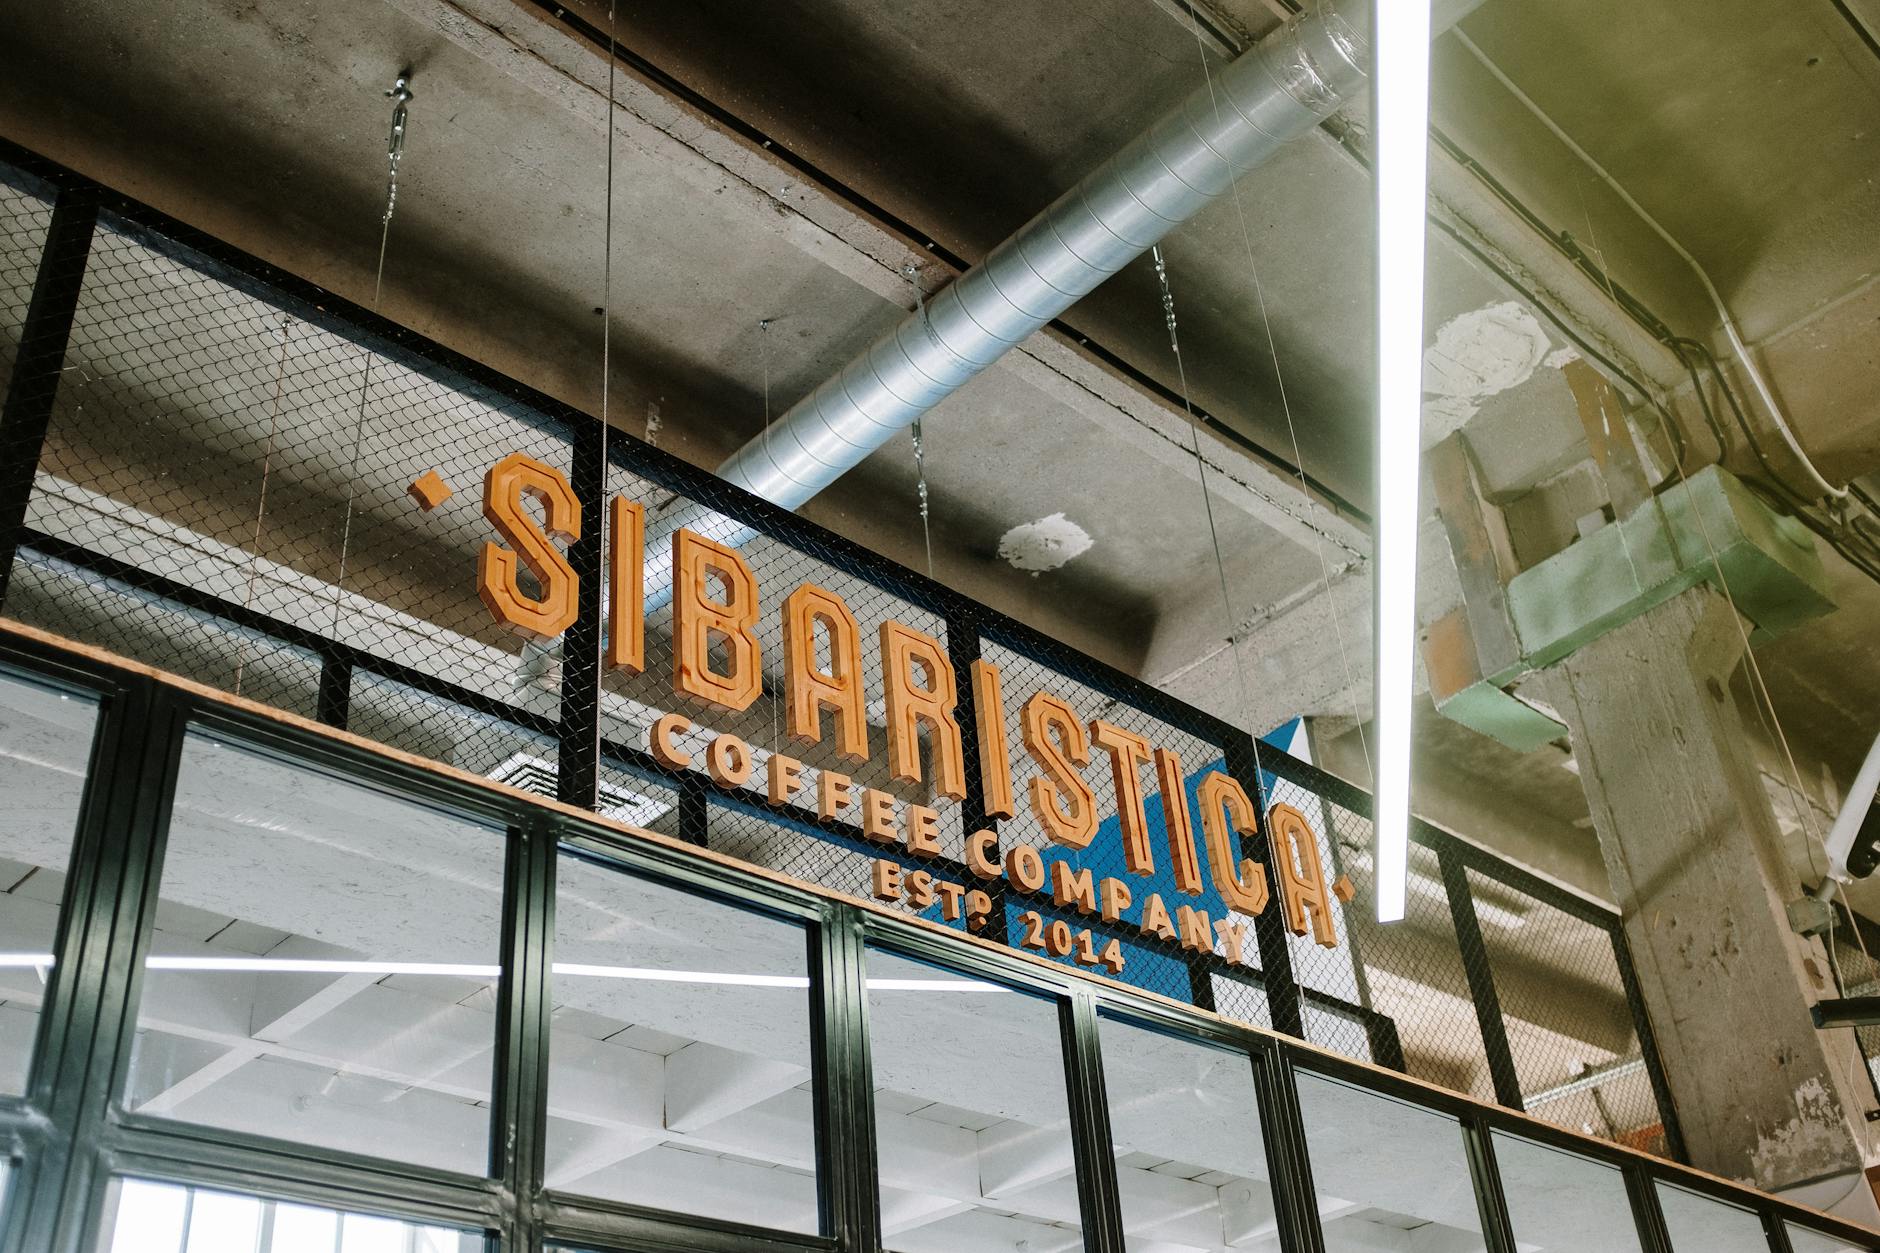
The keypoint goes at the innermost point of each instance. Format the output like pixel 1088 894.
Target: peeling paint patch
pixel 1443 415
pixel 1813 1143
pixel 1484 351
pixel 1044 545
pixel 1561 358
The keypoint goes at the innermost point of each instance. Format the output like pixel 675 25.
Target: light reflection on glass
pixel 169 1218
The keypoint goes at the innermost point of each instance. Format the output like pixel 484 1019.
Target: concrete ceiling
pixel 496 250
pixel 951 123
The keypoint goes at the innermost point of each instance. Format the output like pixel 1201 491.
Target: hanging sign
pixel 717 660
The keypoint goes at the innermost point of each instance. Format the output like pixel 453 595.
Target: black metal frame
pixel 78 206
pixel 70 1135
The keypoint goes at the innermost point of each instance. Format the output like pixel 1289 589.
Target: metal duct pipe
pixel 1280 89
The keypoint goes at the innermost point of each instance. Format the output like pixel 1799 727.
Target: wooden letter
pixel 1155 920
pixel 1128 752
pixel 810 689
pixel 728 759
pixel 978 910
pixel 887 880
pixel 902 647
pixel 1225 813
pixel 1234 936
pixel 1024 867
pixel 995 759
pixel 832 793
pixel 979 846
pixel 1076 888
pixel 1185 862
pixel 1116 897
pixel 507 482
pixel 920 889
pixel 878 815
pixel 696 618
pixel 1197 930
pixel 923 831
pixel 1062 800
pixel 1302 887
pixel 785 777
pixel 626 586
pixel 952 895
pixel 429 490
pixel 665 752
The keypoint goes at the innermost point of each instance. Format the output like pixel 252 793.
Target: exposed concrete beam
pixel 547 58
pixel 705 1084
pixel 1014 1156
pixel 1310 656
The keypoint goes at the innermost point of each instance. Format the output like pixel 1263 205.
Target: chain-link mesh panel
pixel 221 476
pixel 1570 1031
pixel 124 616
pixel 1413 970
pixel 24 216
pixel 1242 998
pixel 1856 973
pixel 221 444
pixel 1338 973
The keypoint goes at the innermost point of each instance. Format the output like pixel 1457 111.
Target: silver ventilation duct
pixel 1278 90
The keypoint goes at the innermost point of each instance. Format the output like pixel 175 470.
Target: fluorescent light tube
pixel 330 966
pixel 1401 98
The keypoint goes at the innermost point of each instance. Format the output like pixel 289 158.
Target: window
pixel 972 1120
pixel 145 1217
pixel 324 964
pixel 1185 1126
pixel 1382 1167
pixel 1700 1224
pixel 680 1063
pixel 1805 1240
pixel 1562 1201
pixel 45 748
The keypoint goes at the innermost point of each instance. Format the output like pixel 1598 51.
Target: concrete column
pixel 1693 851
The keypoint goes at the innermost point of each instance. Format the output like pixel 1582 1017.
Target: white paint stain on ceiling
pixel 1044 545
pixel 1476 355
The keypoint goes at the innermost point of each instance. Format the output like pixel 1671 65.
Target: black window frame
pixel 83 1138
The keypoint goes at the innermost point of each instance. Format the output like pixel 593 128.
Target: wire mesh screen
pixel 210 446
pixel 1575 1048
pixel 1854 972
pixel 228 474
pixel 1337 977
pixel 1410 973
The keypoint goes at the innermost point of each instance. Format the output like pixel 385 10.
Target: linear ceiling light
pixel 331 966
pixel 1401 99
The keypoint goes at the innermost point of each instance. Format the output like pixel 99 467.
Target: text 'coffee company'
pixel 717 659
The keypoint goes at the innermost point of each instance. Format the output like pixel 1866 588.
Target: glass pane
pixel 145 1217
pixel 1383 1167
pixel 1562 1201
pixel 1804 1240
pixel 1185 1126
pixel 150 1217
pixel 299 1229
pixel 680 1068
pixel 971 1116
pixel 222 1223
pixel 1700 1224
pixel 45 746
pixel 323 966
